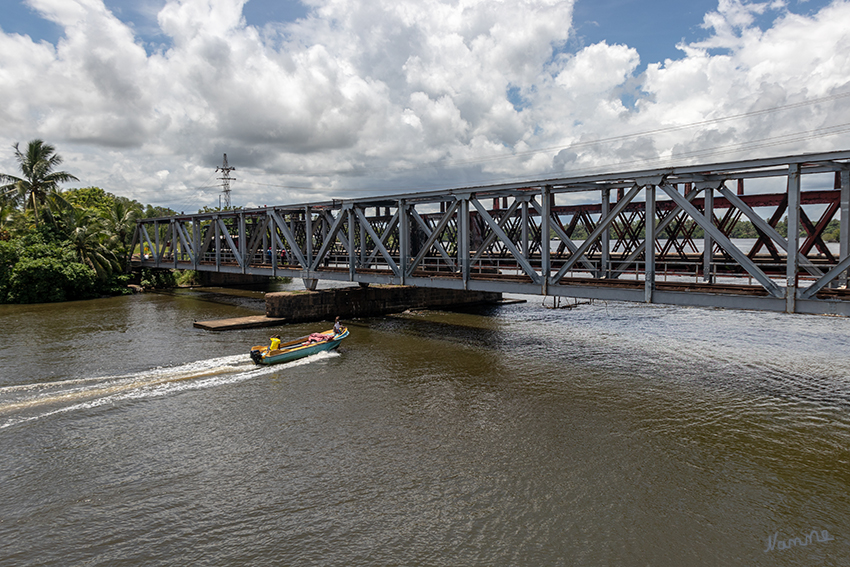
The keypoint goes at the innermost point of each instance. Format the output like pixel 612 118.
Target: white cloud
pixel 375 94
pixel 796 60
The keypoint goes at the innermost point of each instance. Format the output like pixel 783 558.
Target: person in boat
pixel 275 343
pixel 337 326
pixel 317 338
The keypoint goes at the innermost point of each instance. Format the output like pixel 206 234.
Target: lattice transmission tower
pixel 225 181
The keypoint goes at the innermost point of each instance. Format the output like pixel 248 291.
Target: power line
pixel 718 150
pixel 706 152
pixel 577 145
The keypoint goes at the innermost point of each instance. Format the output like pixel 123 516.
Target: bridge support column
pixel 174 257
pixel 844 246
pixel 793 237
pixel 403 239
pixel 524 229
pixel 310 283
pixel 363 242
pixel 196 243
pixel 352 257
pixel 243 242
pixel 158 254
pixel 308 229
pixel 605 267
pixel 649 249
pixel 545 219
pixel 217 244
pixel 708 246
pixel 463 244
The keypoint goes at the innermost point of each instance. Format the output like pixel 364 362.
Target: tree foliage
pixel 36 271
pixel 92 198
pixel 38 178
pixel 60 245
pixel 87 236
pixel 153 278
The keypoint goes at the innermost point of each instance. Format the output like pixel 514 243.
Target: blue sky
pixel 18 17
pixel 388 95
pixel 655 27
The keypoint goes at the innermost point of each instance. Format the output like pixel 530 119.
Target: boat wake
pixel 28 402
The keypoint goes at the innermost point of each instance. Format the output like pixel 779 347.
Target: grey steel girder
pixel 664 223
pixel 426 228
pixel 378 243
pixel 723 241
pixel 432 238
pixel 601 226
pixel 494 226
pixel 766 228
pixel 568 242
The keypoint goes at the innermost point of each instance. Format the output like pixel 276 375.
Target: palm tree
pixel 88 236
pixel 38 179
pixel 121 223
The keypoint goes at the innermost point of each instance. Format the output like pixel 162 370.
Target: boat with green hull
pixel 298 348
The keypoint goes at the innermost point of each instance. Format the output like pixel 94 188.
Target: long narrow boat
pixel 298 348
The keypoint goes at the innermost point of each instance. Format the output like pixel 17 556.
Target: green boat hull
pixel 295 353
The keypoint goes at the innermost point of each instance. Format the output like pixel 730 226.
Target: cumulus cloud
pixel 798 59
pixel 387 95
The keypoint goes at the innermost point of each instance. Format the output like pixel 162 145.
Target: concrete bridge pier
pixel 369 301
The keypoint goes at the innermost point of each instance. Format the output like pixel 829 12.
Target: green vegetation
pixel 39 184
pixel 60 245
pixel 158 279
pixel 187 278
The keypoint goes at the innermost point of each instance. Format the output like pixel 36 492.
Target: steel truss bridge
pixel 580 237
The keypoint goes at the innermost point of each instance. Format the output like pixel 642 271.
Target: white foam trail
pixel 86 393
pixel 45 385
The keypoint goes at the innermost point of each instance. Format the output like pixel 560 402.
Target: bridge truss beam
pixel 668 237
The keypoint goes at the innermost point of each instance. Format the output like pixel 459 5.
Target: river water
pixel 608 434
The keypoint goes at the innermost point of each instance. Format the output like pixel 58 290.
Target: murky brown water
pixel 612 434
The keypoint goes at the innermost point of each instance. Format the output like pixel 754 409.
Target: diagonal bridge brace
pixel 494 226
pixel 723 241
pixel 564 238
pixel 601 226
pixel 384 237
pixel 437 244
pixel 330 238
pixel 485 244
pixel 147 239
pixel 768 230
pixel 287 234
pixel 184 239
pixel 379 245
pixel 223 230
pixel 259 231
pixel 813 289
pixel 432 238
pixel 642 246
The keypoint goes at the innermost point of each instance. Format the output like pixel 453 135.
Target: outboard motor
pixel 256 356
